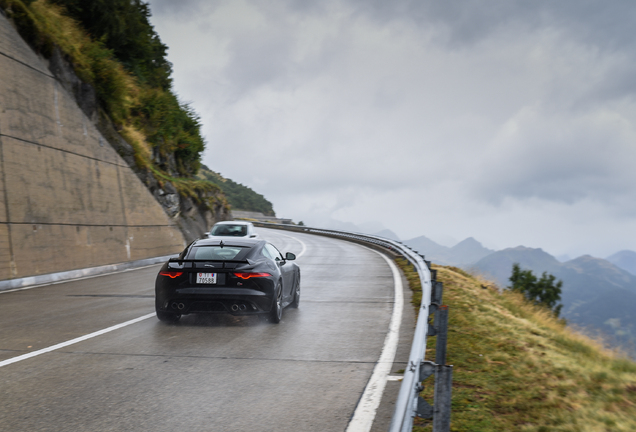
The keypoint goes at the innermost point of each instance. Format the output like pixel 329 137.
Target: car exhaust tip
pixel 235 307
pixel 174 305
pixel 243 307
pixel 181 306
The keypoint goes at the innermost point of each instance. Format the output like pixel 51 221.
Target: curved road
pixel 207 373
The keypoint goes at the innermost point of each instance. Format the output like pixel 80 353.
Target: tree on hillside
pixel 122 36
pixel 123 26
pixel 544 291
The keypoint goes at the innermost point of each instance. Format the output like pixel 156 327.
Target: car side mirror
pixel 290 256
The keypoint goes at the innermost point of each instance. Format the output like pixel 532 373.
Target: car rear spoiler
pixel 222 262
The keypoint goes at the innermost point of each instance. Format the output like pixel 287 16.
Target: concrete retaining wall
pixel 67 199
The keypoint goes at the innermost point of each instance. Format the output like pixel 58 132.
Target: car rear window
pixel 229 230
pixel 218 253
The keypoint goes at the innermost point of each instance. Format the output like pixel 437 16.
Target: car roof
pixel 228 241
pixel 233 223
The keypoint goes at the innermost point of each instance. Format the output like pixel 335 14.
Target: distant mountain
pixel 563 258
pixel 625 259
pixel 387 233
pixel 498 265
pixel 463 254
pixel 468 252
pixel 432 251
pixel 595 294
pixel 586 277
pixel 371 228
pixel 611 314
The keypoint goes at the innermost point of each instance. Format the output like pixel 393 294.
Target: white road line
pixel 364 415
pixel 74 341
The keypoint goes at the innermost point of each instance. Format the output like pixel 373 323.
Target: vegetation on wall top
pixel 239 196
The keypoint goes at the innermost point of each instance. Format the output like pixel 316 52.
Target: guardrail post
pixel 436 301
pixel 440 411
pixel 441 327
pixel 443 391
pixel 438 292
pixel 424 409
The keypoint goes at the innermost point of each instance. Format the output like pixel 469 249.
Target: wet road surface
pixel 207 373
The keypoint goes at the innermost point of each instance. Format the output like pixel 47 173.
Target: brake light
pixel 171 274
pixel 251 275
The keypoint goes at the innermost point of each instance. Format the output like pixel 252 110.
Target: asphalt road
pixel 207 373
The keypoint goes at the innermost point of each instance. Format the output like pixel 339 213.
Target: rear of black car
pixel 213 276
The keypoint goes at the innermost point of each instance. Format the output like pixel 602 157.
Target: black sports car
pixel 241 276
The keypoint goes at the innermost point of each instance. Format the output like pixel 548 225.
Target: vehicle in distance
pixel 240 276
pixel 232 229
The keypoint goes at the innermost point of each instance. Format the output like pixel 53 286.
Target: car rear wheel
pixel 277 308
pixel 168 317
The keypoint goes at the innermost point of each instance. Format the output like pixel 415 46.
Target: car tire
pixel 168 317
pixel 276 313
pixel 296 300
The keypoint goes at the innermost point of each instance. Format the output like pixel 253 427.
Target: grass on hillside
pixel 518 368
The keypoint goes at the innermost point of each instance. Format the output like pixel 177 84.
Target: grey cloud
pixel 607 24
pixel 563 160
pixel 259 58
pixel 468 21
pixel 618 83
pixel 180 8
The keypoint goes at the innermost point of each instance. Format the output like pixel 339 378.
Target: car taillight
pixel 251 275
pixel 171 274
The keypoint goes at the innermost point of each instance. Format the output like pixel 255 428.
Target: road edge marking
pixel 57 282
pixel 367 407
pixel 74 341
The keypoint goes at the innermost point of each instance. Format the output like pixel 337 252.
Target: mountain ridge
pixel 464 253
pixel 625 259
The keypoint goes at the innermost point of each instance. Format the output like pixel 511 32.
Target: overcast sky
pixel 509 121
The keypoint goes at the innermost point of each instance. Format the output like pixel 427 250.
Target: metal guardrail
pixel 409 405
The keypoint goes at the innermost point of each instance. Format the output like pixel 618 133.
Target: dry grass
pixel 517 368
pixel 93 63
pixel 143 151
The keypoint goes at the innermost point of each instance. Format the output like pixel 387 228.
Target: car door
pixel 286 270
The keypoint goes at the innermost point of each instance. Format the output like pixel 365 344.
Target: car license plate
pixel 206 278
